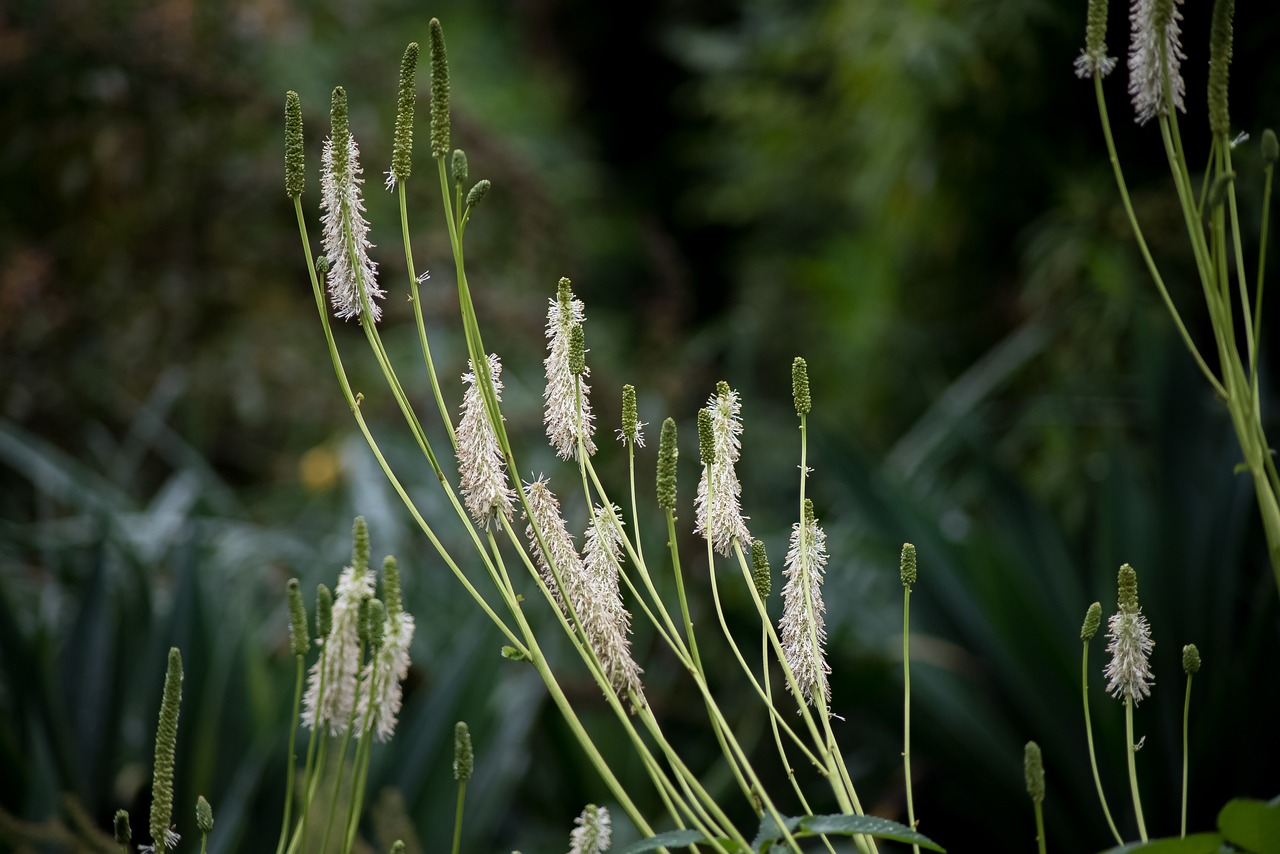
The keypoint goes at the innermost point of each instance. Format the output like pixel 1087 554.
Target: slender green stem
pixel 293 758
pixel 1040 827
pixel 906 706
pixel 1262 253
pixel 1093 756
pixel 364 748
pixel 311 773
pixel 1186 719
pixel 457 816
pixel 1132 750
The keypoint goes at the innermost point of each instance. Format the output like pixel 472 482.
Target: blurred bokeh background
pixel 912 195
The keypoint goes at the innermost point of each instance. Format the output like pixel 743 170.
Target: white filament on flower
pixel 381 678
pixel 568 413
pixel 339 664
pixel 717 506
pixel 1129 643
pixel 545 510
pixel 482 468
pixel 1146 75
pixel 592 833
pixel 343 207
pixel 604 618
pixel 803 626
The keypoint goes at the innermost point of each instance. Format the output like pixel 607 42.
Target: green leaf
pixel 1251 825
pixel 1197 843
pixel 840 825
pixel 670 839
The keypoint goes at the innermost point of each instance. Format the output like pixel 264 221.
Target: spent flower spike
pixel 482 468
pixel 803 626
pixel 1155 32
pixel 568 415
pixel 717 505
pixel 1129 643
pixel 352 277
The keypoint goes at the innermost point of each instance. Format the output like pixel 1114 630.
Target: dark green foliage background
pixel 913 196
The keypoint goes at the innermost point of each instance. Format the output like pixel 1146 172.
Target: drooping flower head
pixel 592 833
pixel 717 506
pixel 352 276
pixel 482 468
pixel 803 625
pixel 1155 32
pixel 604 618
pixel 568 409
pixel 1129 643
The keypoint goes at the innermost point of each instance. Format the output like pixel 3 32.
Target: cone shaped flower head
pixel 592 833
pixel 568 409
pixel 482 468
pixel 803 625
pixel 338 667
pixel 1129 644
pixel 717 506
pixel 1154 51
pixel 604 618
pixel 352 276
pixel 380 682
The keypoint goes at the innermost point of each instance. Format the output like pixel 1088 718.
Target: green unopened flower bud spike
pixel 439 92
pixel 631 434
pixel 406 99
pixel 463 764
pixel 299 644
pixel 1190 666
pixel 1092 620
pixel 907 572
pixel 295 173
pixel 1220 39
pixel 204 822
pixel 1033 770
pixel 162 835
pixel 123 833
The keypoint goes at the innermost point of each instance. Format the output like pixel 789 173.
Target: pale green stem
pixel 457 816
pixel 1093 756
pixel 1262 253
pixel 364 748
pixel 342 757
pixel 906 707
pixel 1040 828
pixel 1186 719
pixel 293 758
pixel 311 773
pixel 1132 750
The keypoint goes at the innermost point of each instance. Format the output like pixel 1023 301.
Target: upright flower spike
pixel 803 625
pixel 544 511
pixel 339 666
pixel 1155 31
pixel 204 816
pixel 324 612
pixel 668 452
pixel 162 836
pixel 1033 770
pixel 464 760
pixel 604 618
pixel 459 167
pixel 123 833
pixel 360 544
pixel 632 426
pixel 352 277
pixel 761 575
pixel 907 565
pixel 567 416
pixel 800 386
pixel 482 468
pixel 1190 659
pixel 1220 39
pixel 381 681
pixel 439 92
pixel 592 833
pixel 718 513
pixel 295 174
pixel 406 98
pixel 1093 59
pixel 299 639
pixel 1129 643
pixel 1092 619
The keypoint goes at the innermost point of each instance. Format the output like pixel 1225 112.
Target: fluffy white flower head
pixel 1129 643
pixel 544 512
pixel 592 833
pixel 604 617
pixel 482 469
pixel 803 625
pixel 717 506
pixel 568 413
pixel 339 664
pixel 1155 26
pixel 343 206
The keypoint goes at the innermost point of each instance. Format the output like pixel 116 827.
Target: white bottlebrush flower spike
pixel 603 615
pixel 717 506
pixel 545 510
pixel 1129 644
pixel 482 469
pixel 592 833
pixel 343 207
pixel 339 663
pixel 391 664
pixel 568 413
pixel 1155 24
pixel 803 625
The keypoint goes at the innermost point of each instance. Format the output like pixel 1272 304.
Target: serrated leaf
pixel 670 839
pixel 841 825
pixel 1196 843
pixel 1252 825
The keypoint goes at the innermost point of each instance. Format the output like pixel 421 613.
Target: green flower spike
pixel 439 92
pixel 1190 659
pixel 1093 59
pixel 402 148
pixel 1033 769
pixel 463 758
pixel 706 438
pixel 123 832
pixel 299 639
pixel 324 611
pixel 397 847
pixel 295 176
pixel 800 386
pixel 577 350
pixel 1092 619
pixel 362 620
pixel 630 431
pixel 391 587
pixel 477 192
pixel 761 575
pixel 339 129
pixel 204 816
pixel 377 623
pixel 459 166
pixel 1220 38
pixel 166 747
pixel 1270 147
pixel 667 455
pixel 907 565
pixel 359 545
